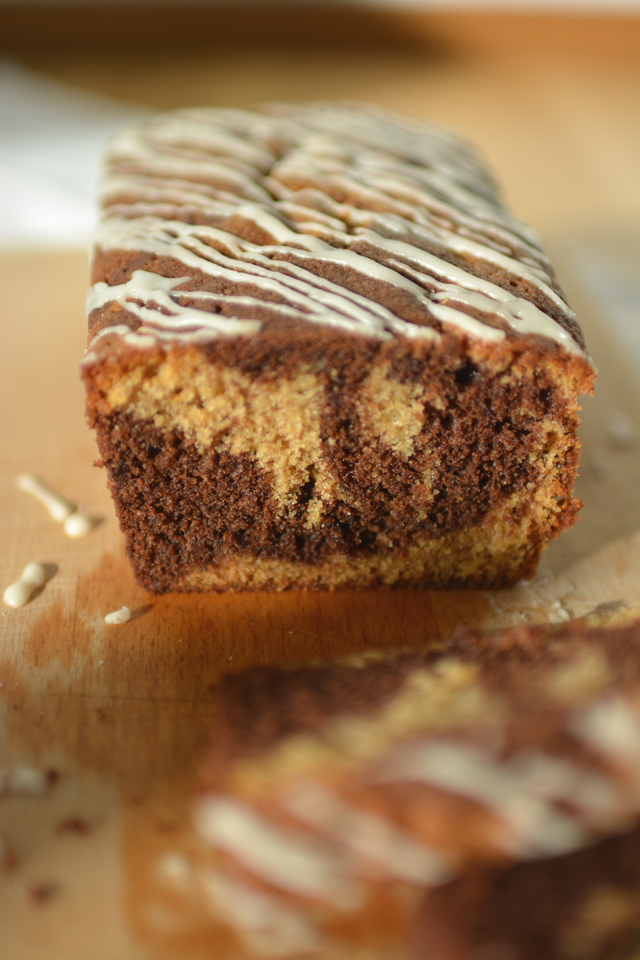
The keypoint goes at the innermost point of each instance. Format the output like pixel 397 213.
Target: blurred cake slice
pixel 479 796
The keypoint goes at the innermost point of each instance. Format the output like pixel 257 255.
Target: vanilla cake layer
pixel 323 354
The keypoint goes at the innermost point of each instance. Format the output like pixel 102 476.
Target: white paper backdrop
pixel 51 138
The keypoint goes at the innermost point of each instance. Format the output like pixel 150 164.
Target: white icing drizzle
pixel 150 288
pixel 321 183
pixel 306 295
pixel 381 843
pixel 611 727
pixel 19 593
pixel 460 286
pixel 268 927
pixel 123 615
pixel 283 858
pixel 74 522
pixel 522 791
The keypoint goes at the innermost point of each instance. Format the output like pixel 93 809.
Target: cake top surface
pixel 220 221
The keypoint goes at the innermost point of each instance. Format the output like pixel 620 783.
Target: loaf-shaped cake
pixel 439 803
pixel 323 354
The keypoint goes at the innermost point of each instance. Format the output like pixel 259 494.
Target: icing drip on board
pixel 123 615
pixel 33 577
pixel 75 522
pixel 270 205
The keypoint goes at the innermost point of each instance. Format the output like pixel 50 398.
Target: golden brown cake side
pixel 325 355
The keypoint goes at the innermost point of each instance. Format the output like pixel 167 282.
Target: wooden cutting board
pixel 120 712
pixel 99 722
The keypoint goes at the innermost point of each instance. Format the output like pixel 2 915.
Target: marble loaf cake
pixel 323 354
pixel 477 800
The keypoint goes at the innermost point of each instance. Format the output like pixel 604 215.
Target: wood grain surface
pixel 120 713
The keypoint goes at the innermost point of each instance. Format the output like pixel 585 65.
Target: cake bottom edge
pixel 494 554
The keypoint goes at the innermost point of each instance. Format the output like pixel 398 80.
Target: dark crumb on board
pixel 8 861
pixel 40 893
pixel 74 825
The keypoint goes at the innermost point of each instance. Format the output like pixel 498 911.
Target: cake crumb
pixel 8 859
pixel 73 825
pixel 118 616
pixel 42 892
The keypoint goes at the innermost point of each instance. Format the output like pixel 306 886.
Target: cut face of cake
pixel 421 805
pixel 323 354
